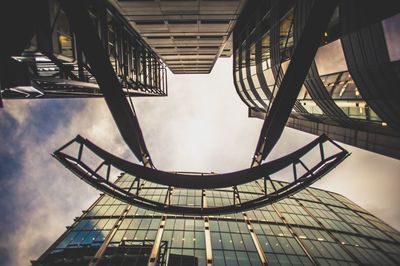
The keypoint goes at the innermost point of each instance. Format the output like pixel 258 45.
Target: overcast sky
pixel 201 126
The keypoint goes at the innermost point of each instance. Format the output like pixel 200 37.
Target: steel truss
pixel 302 176
pixel 54 64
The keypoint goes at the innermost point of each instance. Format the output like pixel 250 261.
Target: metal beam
pixel 101 67
pixel 294 77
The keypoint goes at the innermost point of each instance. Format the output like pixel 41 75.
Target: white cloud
pixel 47 195
pixel 20 109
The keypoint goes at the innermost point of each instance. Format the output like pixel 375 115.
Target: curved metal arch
pixel 193 182
pixel 261 173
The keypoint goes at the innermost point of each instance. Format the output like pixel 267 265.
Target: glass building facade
pixel 313 227
pixel 350 90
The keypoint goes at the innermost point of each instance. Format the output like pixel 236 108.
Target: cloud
pixel 45 196
pixel 201 126
pixel 24 108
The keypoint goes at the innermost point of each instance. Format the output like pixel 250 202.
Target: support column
pixel 207 233
pixel 100 252
pixel 153 259
pixel 254 237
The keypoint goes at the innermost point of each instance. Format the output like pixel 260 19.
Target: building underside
pixel 43 59
pixel 188 35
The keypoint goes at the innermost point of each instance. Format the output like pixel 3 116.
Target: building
pixel 188 35
pixel 313 227
pixel 43 59
pixel 350 92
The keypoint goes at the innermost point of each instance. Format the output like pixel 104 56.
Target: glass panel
pixel 286 36
pixel 265 48
pixel 63 36
pixel 330 58
pixel 311 107
pixel 391 29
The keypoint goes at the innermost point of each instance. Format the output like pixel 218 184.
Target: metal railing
pixel 97 171
pixel 53 64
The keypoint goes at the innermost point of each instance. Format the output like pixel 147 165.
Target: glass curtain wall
pixel 313 226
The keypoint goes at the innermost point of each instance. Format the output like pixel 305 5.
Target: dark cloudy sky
pixel 201 126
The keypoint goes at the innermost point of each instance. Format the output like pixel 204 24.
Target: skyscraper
pixel 167 224
pixel 312 227
pixel 350 90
